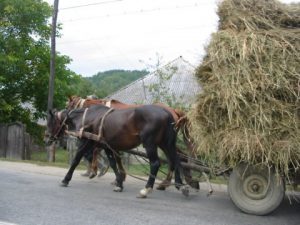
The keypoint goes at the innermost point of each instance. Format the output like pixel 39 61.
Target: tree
pixel 160 89
pixel 105 83
pixel 24 62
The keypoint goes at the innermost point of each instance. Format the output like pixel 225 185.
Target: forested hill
pixel 105 83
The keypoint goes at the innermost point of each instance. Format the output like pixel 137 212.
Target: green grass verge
pixel 40 158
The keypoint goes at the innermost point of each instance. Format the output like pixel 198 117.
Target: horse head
pixel 73 102
pixel 56 126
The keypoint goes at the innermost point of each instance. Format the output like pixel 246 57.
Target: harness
pixel 80 103
pixel 95 137
pixel 108 104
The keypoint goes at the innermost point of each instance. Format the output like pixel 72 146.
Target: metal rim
pixel 255 187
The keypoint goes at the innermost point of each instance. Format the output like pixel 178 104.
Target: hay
pixel 249 109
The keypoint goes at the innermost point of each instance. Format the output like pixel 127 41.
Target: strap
pixel 82 101
pixel 82 123
pixel 77 104
pixel 81 133
pixel 100 134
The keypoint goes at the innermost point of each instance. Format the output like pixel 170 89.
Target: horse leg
pixel 88 155
pixel 120 167
pixel 102 165
pixel 84 145
pixel 187 176
pixel 175 166
pixel 94 166
pixel 113 165
pixel 178 182
pixel 166 182
pixel 187 172
pixel 154 167
pixel 189 179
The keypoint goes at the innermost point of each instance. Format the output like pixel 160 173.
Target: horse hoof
pixel 92 175
pixel 161 188
pixel 64 184
pixel 118 189
pixel 102 172
pixel 210 192
pixel 185 190
pixel 195 185
pixel 144 192
pixel 141 196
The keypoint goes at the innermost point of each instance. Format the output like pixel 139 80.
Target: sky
pixel 101 35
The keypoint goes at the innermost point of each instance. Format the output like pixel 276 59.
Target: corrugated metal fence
pixel 15 143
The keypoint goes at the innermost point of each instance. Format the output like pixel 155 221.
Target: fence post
pixel 27 146
pixel 15 141
pixel 51 152
pixel 3 140
pixel 71 147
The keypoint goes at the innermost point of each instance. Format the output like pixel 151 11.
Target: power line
pixel 90 4
pixel 116 36
pixel 133 12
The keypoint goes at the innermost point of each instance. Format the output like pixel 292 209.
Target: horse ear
pixel 52 112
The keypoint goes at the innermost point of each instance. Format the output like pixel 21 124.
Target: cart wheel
pixel 255 189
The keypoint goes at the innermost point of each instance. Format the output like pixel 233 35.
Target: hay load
pixel 249 109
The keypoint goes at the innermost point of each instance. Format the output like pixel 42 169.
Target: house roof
pixel 181 85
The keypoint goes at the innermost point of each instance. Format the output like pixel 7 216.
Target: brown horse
pixel 180 123
pixel 116 130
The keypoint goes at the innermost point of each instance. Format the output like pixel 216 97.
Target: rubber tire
pixel 251 202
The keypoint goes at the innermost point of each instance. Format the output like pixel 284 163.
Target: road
pixel 31 195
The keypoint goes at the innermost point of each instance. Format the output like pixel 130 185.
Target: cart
pixel 254 189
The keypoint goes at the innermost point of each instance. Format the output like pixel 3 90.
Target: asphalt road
pixel 31 195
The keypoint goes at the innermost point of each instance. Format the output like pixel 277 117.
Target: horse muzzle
pixel 48 140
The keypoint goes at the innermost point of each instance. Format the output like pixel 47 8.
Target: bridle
pixel 62 124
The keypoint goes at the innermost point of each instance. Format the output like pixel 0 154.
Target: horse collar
pixel 82 101
pixel 79 104
pixel 108 104
pixel 59 115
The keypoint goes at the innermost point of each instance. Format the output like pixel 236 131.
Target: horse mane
pixel 78 102
pixel 89 102
pixel 74 102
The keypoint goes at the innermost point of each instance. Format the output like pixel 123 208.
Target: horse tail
pixel 170 141
pixel 183 124
pixel 174 161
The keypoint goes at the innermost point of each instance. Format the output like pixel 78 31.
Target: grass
pixel 40 158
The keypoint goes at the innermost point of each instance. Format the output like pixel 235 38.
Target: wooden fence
pixel 15 143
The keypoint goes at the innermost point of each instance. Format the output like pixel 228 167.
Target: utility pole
pixel 51 149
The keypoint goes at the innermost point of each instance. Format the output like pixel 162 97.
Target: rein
pixel 61 125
